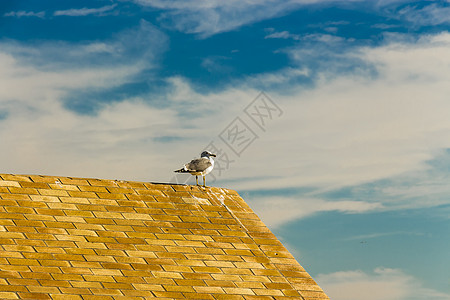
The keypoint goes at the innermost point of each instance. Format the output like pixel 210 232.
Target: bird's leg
pixel 196 179
pixel 204 181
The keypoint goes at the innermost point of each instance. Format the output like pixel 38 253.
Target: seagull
pixel 199 166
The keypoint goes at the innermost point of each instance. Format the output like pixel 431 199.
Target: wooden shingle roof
pixel 77 238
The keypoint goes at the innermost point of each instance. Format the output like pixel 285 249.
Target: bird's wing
pixel 199 164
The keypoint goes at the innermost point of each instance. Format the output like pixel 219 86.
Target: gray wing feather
pixel 199 164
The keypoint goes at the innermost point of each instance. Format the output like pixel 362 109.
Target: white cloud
pixel 276 211
pixel 20 14
pixel 81 12
pixel 383 283
pixel 45 138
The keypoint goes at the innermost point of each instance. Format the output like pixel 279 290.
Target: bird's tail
pixel 182 170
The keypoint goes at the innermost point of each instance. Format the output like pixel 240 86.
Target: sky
pixel 330 118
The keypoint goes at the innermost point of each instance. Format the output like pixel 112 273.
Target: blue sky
pixel 345 156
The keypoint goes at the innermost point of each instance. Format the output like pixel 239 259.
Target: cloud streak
pixel 277 211
pixel 21 14
pixel 82 12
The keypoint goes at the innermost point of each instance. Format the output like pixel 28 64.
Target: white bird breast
pixel 209 169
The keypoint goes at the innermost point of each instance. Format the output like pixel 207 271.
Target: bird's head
pixel 207 154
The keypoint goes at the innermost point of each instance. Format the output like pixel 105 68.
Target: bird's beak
pixel 213 155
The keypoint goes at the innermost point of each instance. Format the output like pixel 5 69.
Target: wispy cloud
pixel 276 211
pixel 281 35
pixel 20 14
pixel 142 44
pixel 383 283
pixel 81 12
pixel 432 14
pixel 207 18
pixel 216 64
pixel 135 49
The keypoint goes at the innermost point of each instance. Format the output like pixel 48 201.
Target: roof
pixel 79 238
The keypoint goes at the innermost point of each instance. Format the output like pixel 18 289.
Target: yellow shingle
pixel 77 238
pixel 9 183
